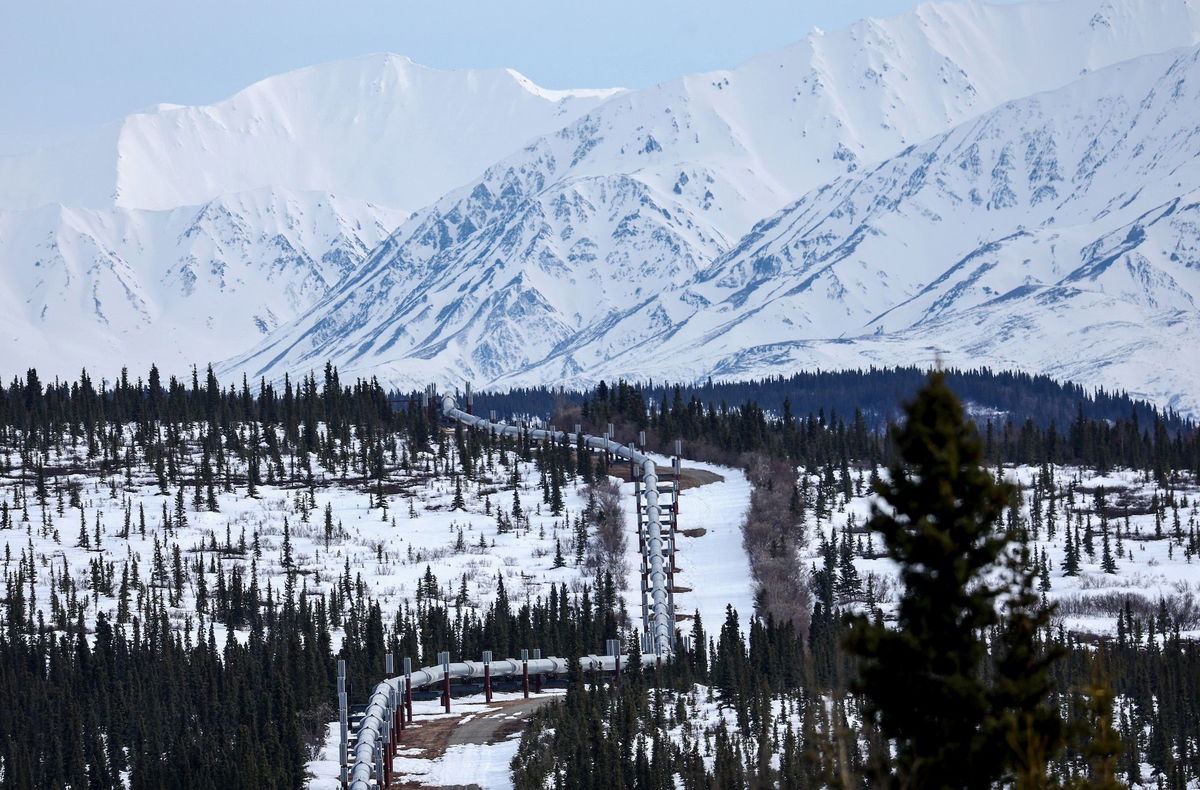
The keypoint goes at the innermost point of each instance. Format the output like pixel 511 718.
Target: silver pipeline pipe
pixel 369 741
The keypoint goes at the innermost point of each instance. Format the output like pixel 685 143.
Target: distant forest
pixel 878 393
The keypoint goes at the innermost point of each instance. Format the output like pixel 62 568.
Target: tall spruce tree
pixel 924 680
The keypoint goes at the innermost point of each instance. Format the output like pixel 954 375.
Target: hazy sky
pixel 71 64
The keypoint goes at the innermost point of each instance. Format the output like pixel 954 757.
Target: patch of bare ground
pixel 694 478
pixel 431 736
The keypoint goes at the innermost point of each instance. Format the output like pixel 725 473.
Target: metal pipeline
pixel 662 618
pixel 376 718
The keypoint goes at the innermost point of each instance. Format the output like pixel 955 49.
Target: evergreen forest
pixel 186 561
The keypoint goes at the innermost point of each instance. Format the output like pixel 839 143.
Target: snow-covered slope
pixel 180 235
pixel 1058 233
pixel 128 287
pixel 1009 184
pixel 612 246
pixel 379 128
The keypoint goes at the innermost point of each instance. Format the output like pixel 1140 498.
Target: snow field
pixel 388 551
pixel 713 566
pixel 1148 569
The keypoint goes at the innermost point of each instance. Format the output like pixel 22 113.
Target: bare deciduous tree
pixel 606 549
pixel 772 536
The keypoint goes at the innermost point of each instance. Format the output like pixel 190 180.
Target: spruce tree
pixel 923 679
pixel 1107 562
pixel 459 502
pixel 1070 555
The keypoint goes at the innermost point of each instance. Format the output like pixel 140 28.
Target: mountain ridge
pixel 676 230
pixel 328 127
pixel 486 284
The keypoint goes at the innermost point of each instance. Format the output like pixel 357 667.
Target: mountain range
pixel 1006 185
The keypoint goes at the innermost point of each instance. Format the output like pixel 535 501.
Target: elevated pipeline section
pixel 656 547
pixel 378 725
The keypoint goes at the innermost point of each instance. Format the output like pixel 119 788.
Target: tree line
pixel 970 686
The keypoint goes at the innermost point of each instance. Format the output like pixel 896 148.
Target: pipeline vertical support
pixel 525 672
pixel 444 660
pixel 613 648
pixel 386 777
pixel 389 669
pixel 343 755
pixel 487 675
pixel 343 720
pixel 408 688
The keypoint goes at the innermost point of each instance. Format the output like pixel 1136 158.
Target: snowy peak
pixel 1003 184
pixel 378 128
pixel 1056 234
pixel 582 253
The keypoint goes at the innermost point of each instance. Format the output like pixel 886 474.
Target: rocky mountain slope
pixel 989 184
pixel 181 235
pixel 127 287
pixel 624 243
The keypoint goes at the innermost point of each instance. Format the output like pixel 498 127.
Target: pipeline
pixel 373 729
pixel 661 625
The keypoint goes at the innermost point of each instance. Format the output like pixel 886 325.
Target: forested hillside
pixel 185 561
pixel 990 395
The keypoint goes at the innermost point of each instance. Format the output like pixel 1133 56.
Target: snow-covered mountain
pixel 181 235
pixel 128 287
pixel 379 128
pixel 992 184
pixel 1058 233
pixel 624 243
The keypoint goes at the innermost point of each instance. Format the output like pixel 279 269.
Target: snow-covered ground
pixel 389 550
pixel 1153 563
pixel 713 565
pixel 482 764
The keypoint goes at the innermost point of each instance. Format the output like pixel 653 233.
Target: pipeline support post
pixel 387 749
pixel 614 649
pixel 408 688
pixel 444 660
pixel 343 721
pixel 389 669
pixel 525 672
pixel 487 675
